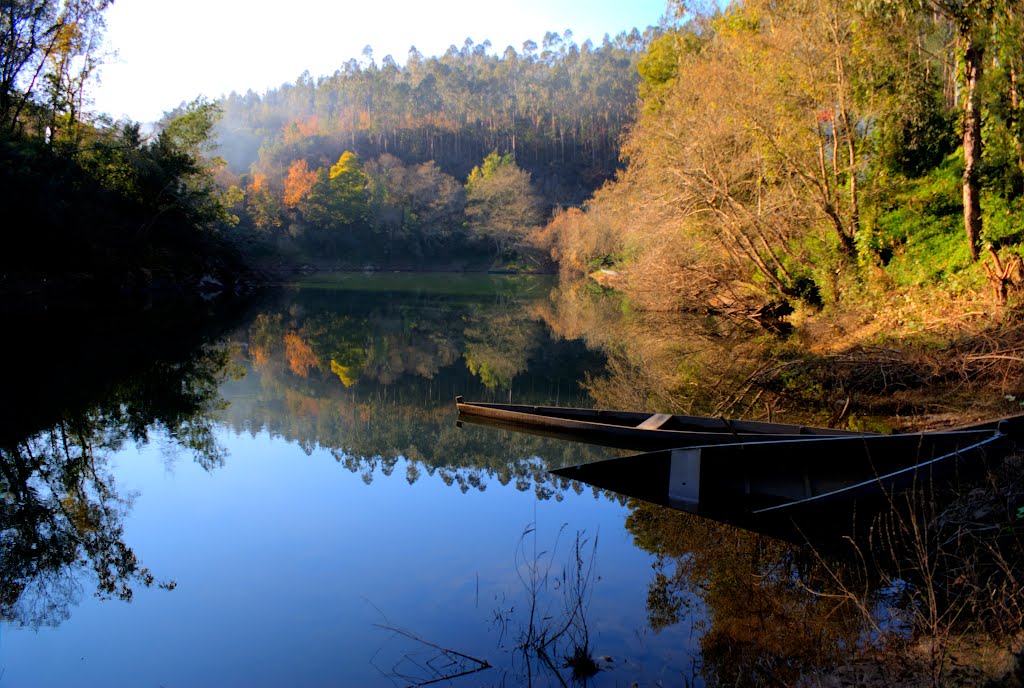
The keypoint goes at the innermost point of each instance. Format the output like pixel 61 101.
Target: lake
pixel 290 502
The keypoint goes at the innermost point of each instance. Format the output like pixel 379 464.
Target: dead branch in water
pixel 458 663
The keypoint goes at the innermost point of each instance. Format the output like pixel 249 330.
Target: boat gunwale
pixel 559 417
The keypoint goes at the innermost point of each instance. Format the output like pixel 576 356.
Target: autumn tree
pixel 742 164
pixel 262 205
pixel 420 202
pixel 298 184
pixel 338 197
pixel 388 206
pixel 436 201
pixel 501 204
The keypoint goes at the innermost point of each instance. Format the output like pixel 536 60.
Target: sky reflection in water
pixel 286 564
pixel 289 565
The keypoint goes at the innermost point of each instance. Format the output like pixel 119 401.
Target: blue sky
pixel 169 52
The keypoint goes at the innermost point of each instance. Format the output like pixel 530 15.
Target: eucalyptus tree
pixel 971 21
pixel 558 111
pixel 986 35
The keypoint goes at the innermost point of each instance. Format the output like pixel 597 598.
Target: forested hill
pixel 558 108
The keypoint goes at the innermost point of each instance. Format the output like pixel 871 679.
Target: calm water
pixel 296 506
pixel 282 497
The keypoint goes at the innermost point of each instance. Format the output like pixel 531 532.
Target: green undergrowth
pixel 1004 221
pixel 917 234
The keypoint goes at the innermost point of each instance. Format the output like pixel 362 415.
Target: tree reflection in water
pixel 62 515
pixel 773 610
pixel 368 378
pixel 369 372
pixel 371 380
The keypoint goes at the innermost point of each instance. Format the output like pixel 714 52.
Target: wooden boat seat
pixel 655 421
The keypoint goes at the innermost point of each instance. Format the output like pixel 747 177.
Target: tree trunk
pixel 1015 115
pixel 973 65
pixel 851 149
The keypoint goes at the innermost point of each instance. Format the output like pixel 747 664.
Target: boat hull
pixel 757 483
pixel 633 431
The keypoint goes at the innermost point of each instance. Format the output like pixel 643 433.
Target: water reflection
pixel 542 624
pixel 366 371
pixel 369 370
pixel 361 374
pixel 773 610
pixel 666 362
pixel 62 515
pixel 552 636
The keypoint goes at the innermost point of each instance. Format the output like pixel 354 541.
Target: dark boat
pixel 762 476
pixel 768 486
pixel 634 431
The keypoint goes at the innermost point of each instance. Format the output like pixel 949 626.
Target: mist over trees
pixel 557 110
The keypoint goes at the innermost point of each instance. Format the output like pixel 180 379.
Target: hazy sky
pixel 169 52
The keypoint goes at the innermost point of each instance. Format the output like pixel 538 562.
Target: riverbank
pixel 948 609
pixel 927 354
pixel 910 358
pixel 973 662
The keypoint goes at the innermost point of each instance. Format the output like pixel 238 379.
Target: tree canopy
pixel 780 145
pixel 500 202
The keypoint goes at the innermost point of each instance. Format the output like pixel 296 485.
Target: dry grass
pixel 921 382
pixel 955 563
pixel 974 662
pixel 876 313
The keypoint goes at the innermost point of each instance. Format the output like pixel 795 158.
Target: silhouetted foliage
pixel 62 515
pixel 121 214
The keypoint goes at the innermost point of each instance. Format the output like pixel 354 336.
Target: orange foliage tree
pixel 298 130
pixel 298 183
pixel 300 355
